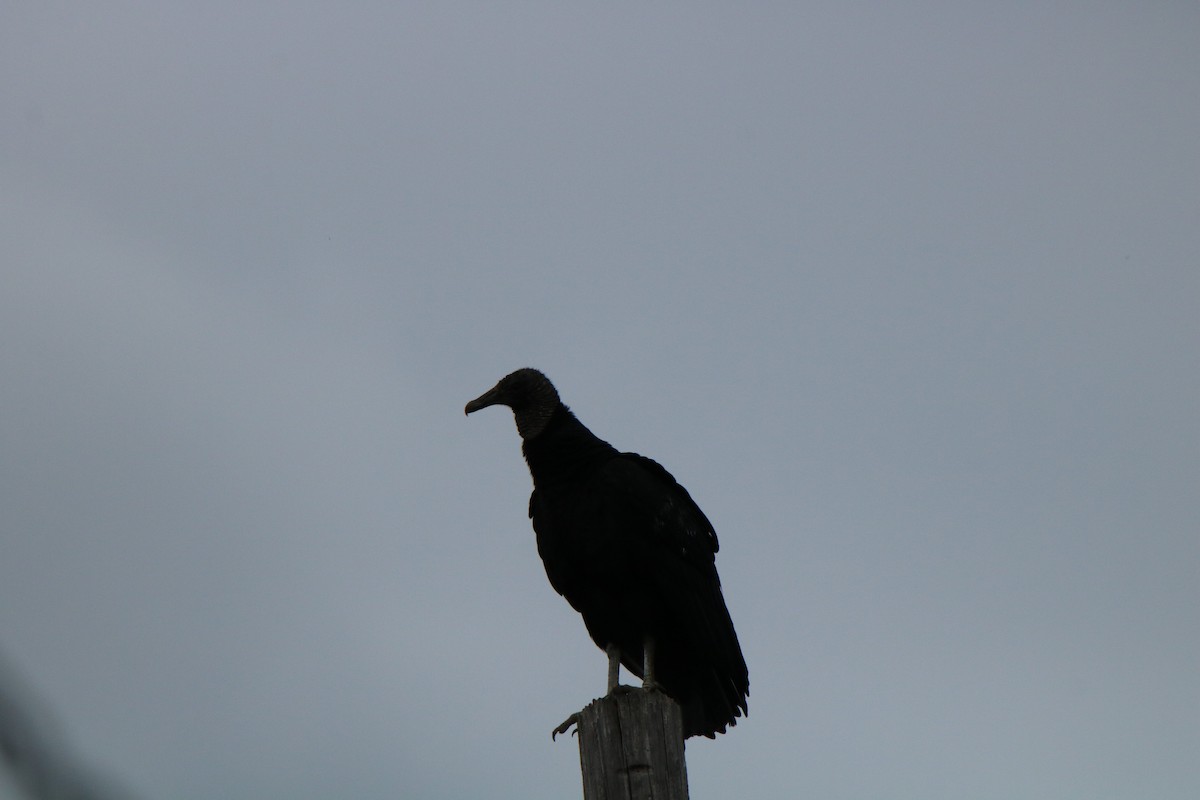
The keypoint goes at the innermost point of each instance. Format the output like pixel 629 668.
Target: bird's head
pixel 529 394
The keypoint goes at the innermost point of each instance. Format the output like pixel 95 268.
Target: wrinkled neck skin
pixel 533 419
pixel 561 447
pixel 536 405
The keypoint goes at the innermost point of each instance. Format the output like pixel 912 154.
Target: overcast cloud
pixel 906 297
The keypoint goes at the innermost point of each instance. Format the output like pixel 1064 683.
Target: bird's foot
pixel 620 689
pixel 647 686
pixel 568 723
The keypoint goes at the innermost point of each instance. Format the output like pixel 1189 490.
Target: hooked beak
pixel 489 398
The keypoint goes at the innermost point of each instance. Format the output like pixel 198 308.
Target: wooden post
pixel 631 748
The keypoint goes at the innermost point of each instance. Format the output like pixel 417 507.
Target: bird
pixel 630 550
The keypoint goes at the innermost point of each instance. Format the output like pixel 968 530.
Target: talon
pixel 567 724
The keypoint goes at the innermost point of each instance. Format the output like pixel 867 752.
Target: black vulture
pixel 630 550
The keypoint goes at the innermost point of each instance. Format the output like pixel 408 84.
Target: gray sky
pixel 905 297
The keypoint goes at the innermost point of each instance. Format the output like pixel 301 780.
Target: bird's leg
pixel 614 667
pixel 648 680
pixel 614 675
